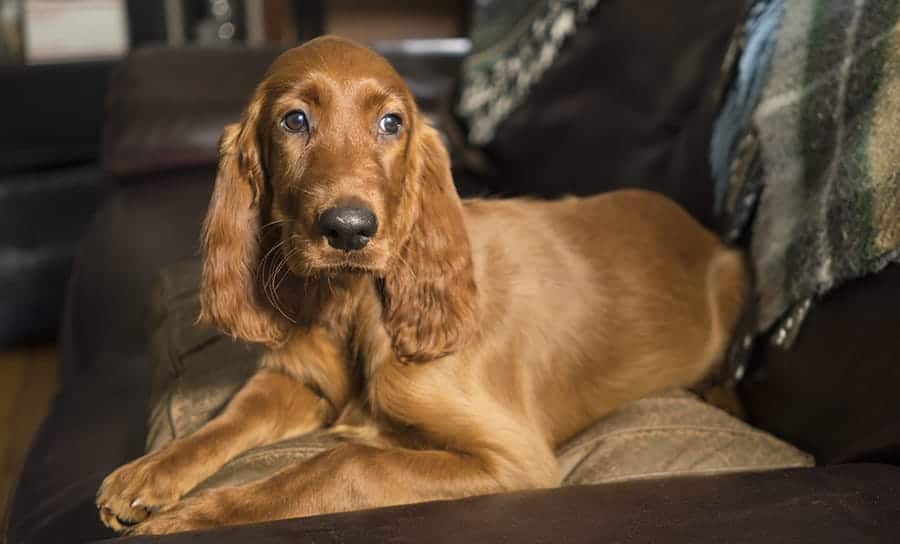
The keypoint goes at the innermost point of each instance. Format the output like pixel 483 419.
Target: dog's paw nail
pixel 126 522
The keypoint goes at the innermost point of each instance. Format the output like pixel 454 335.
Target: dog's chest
pixel 370 384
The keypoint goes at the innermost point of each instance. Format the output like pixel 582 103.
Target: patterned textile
pixel 822 156
pixel 513 44
pixel 751 70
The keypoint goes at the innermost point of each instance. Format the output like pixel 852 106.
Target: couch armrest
pixel 166 106
pixel 839 504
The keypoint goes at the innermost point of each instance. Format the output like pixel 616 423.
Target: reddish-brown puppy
pixel 452 345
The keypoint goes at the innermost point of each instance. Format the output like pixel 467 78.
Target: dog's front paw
pixel 131 493
pixel 202 511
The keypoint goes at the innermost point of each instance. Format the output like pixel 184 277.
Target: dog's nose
pixel 348 228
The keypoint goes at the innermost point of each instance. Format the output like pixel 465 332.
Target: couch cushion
pixel 167 106
pixel 674 433
pixel 626 100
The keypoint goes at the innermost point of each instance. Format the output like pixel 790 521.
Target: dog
pixel 450 345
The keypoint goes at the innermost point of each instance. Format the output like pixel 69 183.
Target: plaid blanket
pixel 513 43
pixel 820 160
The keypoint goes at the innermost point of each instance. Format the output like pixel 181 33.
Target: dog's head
pixel 332 171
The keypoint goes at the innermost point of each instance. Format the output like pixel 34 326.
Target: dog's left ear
pixel 429 290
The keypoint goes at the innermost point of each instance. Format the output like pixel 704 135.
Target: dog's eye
pixel 295 121
pixel 389 124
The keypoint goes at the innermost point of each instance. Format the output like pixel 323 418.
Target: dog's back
pixel 592 302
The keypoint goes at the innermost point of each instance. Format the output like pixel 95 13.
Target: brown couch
pixel 832 394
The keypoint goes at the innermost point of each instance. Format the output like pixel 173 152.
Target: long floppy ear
pixel 429 290
pixel 229 295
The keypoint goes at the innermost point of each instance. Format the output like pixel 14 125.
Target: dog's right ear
pixel 229 294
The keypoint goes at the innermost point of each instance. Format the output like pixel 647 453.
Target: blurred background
pixel 57 58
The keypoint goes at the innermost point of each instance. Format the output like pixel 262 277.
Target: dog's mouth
pixel 305 261
pixel 345 267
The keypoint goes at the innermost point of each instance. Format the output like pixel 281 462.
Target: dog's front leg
pixel 271 406
pixel 351 477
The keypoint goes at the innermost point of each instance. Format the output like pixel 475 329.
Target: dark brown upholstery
pixel 841 504
pixel 835 393
pixel 625 105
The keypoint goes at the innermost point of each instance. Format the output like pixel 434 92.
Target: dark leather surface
pixel 98 421
pixel 50 186
pixel 43 127
pixel 167 106
pixel 835 393
pixel 840 505
pixel 628 103
pixel 42 216
pixel 140 228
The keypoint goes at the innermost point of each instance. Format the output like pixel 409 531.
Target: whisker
pixel 268 253
pixel 328 282
pixel 272 293
pixel 408 266
pixel 264 266
pixel 276 287
pixel 273 223
pixel 278 268
pixel 287 270
pixel 268 283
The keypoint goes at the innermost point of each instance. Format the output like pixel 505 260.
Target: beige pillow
pixel 674 433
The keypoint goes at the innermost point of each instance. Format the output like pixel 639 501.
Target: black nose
pixel 348 228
